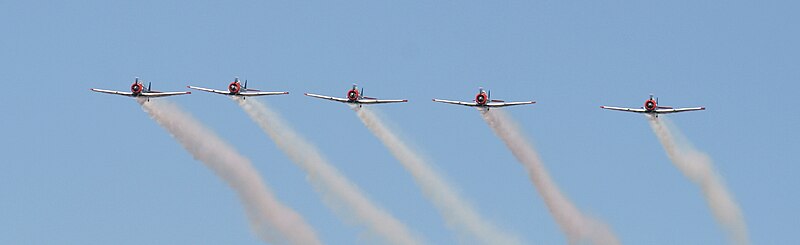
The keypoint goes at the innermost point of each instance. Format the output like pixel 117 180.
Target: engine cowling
pixel 481 98
pixel 650 105
pixel 234 88
pixel 352 95
pixel 137 88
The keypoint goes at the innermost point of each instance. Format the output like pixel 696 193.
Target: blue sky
pixel 87 168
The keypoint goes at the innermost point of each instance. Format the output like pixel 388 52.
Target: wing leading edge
pixel 490 104
pixel 359 101
pixel 343 100
pixel 456 102
pixel 143 94
pixel 162 94
pixel 129 94
pixel 209 90
pixel 624 109
pixel 502 104
pixel 664 110
pixel 377 101
pixel 223 92
pixel 260 93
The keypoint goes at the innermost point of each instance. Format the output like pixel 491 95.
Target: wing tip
pixel 405 100
pixel 188 92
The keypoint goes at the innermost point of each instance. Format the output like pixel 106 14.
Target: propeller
pixel 245 84
pixel 148 86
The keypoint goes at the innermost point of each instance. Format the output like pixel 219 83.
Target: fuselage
pixel 482 97
pixel 137 88
pixel 650 105
pixel 353 95
pixel 235 87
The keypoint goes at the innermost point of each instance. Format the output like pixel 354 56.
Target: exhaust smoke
pixel 697 166
pixel 457 212
pixel 338 192
pixel 578 227
pixel 272 221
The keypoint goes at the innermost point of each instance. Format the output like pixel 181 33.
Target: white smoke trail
pixel 698 168
pixel 577 226
pixel 458 213
pixel 272 221
pixel 338 192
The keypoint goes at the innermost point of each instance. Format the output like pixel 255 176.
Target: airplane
pixel 235 88
pixel 483 100
pixel 651 107
pixel 355 97
pixel 138 90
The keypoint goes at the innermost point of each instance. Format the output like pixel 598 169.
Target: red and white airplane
pixel 651 107
pixel 138 90
pixel 356 97
pixel 235 88
pixel 483 100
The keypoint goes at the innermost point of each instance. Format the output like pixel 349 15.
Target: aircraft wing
pixel 671 110
pixel 162 94
pixel 456 102
pixel 377 101
pixel 112 92
pixel 624 109
pixel 502 104
pixel 260 93
pixel 209 90
pixel 328 97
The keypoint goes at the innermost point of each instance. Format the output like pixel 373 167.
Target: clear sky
pixel 87 168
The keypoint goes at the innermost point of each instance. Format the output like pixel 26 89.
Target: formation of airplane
pixel 139 90
pixel 235 88
pixel 483 100
pixel 651 107
pixel 354 96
